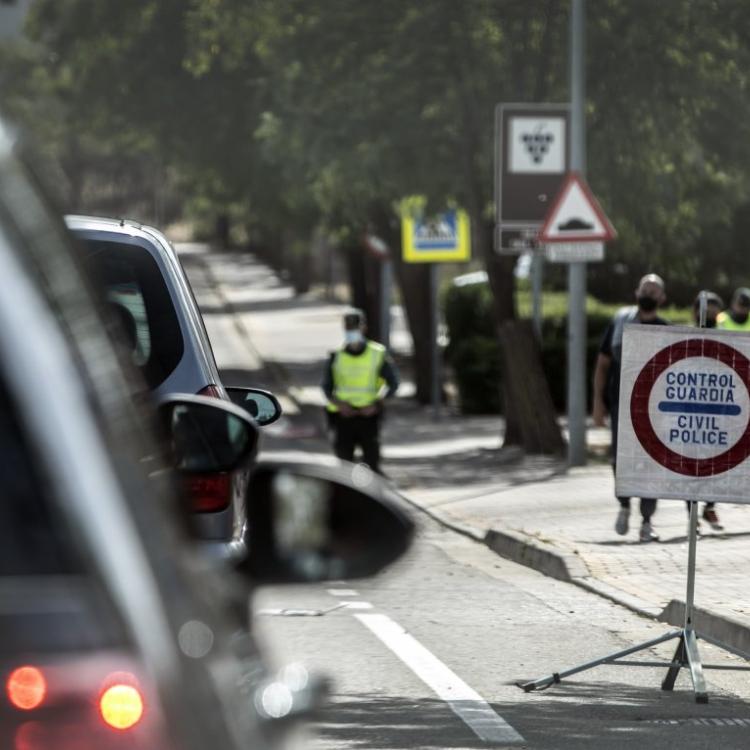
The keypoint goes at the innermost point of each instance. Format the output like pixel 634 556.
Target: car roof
pixel 197 367
pixel 126 226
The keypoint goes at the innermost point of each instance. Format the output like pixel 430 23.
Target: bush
pixel 476 364
pixel 474 352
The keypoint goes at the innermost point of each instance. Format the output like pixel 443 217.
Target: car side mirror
pixel 262 405
pixel 205 435
pixel 316 522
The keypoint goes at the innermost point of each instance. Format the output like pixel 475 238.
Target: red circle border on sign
pixel 641 419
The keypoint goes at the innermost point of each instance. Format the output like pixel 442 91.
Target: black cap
pixel 741 296
pixel 354 318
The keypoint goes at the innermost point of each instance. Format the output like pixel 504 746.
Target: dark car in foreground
pixel 114 632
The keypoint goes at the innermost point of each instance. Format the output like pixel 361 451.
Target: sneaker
pixel 622 524
pixel 647 533
pixel 710 516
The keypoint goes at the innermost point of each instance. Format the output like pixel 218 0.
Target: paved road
pixel 490 622
pixel 427 656
pixel 558 520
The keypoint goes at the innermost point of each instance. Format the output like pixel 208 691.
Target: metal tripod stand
pixel 686 656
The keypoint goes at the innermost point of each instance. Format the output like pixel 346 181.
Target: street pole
pixel 537 273
pixel 577 271
pixel 386 286
pixel 434 344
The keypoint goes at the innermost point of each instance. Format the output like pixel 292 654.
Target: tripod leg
pixel 696 668
pixel 545 682
pixel 679 660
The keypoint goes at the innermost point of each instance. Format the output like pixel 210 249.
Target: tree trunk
pixel 414 282
pixel 527 388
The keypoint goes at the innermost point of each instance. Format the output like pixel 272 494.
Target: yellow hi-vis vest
pixel 724 321
pixel 356 377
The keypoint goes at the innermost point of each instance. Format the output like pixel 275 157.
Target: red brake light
pixel 26 688
pixel 211 391
pixel 209 493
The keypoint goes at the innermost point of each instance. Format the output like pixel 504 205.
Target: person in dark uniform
pixel 358 377
pixel 649 296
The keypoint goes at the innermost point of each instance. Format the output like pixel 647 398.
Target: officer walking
pixel 358 378
pixel 736 318
pixel 649 296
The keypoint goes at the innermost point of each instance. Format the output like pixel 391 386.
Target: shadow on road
pixel 574 716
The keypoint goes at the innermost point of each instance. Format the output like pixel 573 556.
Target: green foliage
pixel 307 111
pixel 474 353
pixel 476 366
pixel 473 350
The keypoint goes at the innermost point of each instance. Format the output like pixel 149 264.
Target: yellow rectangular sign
pixel 444 238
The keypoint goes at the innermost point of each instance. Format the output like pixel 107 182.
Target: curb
pixel 568 567
pixel 721 628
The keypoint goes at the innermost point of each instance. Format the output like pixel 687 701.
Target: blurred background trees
pixel 280 119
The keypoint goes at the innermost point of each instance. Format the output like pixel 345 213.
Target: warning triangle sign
pixel 576 216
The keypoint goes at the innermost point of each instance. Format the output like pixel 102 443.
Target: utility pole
pixel 577 271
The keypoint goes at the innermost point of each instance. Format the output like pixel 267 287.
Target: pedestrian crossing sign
pixel 444 238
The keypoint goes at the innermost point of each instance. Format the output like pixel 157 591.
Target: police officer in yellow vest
pixel 359 376
pixel 736 318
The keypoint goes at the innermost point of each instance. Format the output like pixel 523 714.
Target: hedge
pixel 473 351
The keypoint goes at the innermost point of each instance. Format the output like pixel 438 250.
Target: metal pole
pixel 703 308
pixel 386 286
pixel 577 271
pixel 537 274
pixel 692 537
pixel 434 346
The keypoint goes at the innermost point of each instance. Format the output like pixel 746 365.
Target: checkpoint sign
pixel 444 238
pixel 684 414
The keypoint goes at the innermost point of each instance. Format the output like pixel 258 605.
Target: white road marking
pixel 342 592
pixel 465 702
pixel 358 605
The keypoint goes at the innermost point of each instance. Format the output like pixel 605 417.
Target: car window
pixel 139 298
pixel 31 542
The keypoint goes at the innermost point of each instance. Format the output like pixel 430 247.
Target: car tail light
pixel 26 688
pixel 121 705
pixel 211 391
pixel 209 493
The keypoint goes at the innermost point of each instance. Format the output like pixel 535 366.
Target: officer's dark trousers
pixel 351 432
pixel 648 504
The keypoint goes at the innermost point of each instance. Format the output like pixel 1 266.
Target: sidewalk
pixel 533 510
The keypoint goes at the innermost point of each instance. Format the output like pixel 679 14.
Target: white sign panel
pixel 536 145
pixel 574 252
pixel 684 414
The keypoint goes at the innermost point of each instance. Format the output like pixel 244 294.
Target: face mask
pixel 739 317
pixel 647 304
pixel 352 338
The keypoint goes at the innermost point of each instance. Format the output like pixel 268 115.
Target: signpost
pixel 576 227
pixel 686 421
pixel 684 433
pixel 532 154
pixel 445 238
pixel 532 157
pixel 574 232
pixel 439 239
